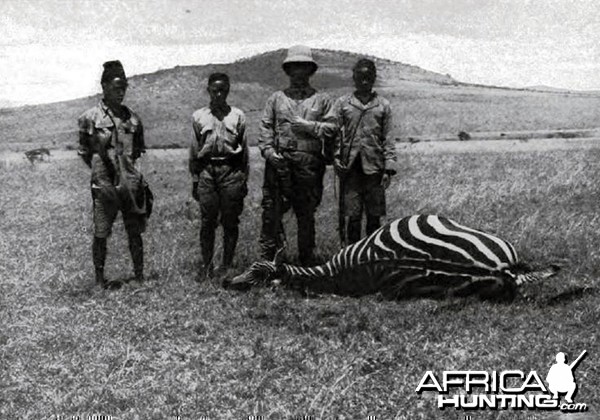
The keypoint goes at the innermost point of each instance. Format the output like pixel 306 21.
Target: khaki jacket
pixel 364 131
pixel 215 140
pixel 111 146
pixel 275 126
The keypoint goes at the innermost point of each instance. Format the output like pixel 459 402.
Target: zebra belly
pixel 397 279
pixel 415 282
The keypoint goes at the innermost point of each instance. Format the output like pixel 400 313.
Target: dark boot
pixel 373 223
pixel 353 232
pixel 136 248
pixel 99 258
pixel 230 237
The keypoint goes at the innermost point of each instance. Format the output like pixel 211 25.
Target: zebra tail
pixel 536 276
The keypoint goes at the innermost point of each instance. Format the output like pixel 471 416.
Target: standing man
pixel 219 167
pixel 292 140
pixel 111 139
pixel 365 154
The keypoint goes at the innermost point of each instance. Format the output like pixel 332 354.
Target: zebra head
pixel 258 274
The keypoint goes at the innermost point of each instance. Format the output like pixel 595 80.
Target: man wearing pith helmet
pixel 111 139
pixel 292 140
pixel 365 153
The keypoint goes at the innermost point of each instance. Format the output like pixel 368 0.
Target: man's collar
pixel 373 101
pixel 299 93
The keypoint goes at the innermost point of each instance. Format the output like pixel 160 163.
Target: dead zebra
pixel 417 256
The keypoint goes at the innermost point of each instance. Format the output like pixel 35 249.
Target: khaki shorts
pixel 363 193
pixel 105 213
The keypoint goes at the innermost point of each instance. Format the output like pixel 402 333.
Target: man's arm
pixel 243 141
pixel 86 132
pixel 139 144
pixel 195 164
pixel 389 146
pixel 329 129
pixel 266 139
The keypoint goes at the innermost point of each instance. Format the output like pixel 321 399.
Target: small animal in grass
pixel 417 256
pixel 37 155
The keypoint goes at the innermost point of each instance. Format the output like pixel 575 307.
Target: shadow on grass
pixel 572 294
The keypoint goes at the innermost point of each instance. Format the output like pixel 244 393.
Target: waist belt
pixel 302 145
pixel 225 160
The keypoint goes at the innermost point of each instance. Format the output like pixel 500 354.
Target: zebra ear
pixel 279 255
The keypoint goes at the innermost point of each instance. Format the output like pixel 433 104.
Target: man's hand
pixel 300 125
pixel 339 167
pixel 386 180
pixel 195 191
pixel 275 158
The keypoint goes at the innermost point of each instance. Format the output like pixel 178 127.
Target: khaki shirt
pixel 216 140
pixel 108 144
pixel 364 131
pixel 275 126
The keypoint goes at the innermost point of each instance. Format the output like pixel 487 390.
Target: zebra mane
pixel 536 276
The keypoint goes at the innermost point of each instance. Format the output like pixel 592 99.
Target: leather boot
pixel 373 223
pixel 230 237
pixel 207 246
pixel 353 232
pixel 136 248
pixel 99 258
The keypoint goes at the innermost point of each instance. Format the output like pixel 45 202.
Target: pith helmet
pixel 299 54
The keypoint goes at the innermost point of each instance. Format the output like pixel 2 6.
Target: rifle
pixel 345 159
pixel 280 232
pixel 341 204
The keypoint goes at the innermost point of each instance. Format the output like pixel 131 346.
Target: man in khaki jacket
pixel 365 153
pixel 292 140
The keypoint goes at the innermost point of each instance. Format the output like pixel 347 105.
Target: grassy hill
pixel 425 103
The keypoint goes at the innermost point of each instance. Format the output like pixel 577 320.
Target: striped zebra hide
pixel 416 256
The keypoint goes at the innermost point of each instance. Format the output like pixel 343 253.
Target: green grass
pixel 173 346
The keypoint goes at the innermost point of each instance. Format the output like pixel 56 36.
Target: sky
pixel 53 50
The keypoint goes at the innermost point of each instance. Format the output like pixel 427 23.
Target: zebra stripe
pixel 395 233
pixel 413 226
pixel 416 255
pixel 380 245
pixel 435 222
pixel 507 248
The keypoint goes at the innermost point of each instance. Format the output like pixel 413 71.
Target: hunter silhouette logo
pixel 560 377
pixel 507 389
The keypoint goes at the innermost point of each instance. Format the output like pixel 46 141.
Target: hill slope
pixel 424 102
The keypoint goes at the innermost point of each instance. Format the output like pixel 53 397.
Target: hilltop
pixel 425 103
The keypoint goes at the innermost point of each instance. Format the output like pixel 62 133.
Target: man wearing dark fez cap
pixel 365 154
pixel 219 167
pixel 111 139
pixel 293 140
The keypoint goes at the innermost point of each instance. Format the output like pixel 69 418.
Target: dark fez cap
pixel 112 70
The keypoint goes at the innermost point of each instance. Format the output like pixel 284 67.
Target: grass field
pixel 173 347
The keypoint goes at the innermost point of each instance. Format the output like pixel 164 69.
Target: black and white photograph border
pixel 473 292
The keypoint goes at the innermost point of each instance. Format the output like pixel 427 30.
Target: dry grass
pixel 175 347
